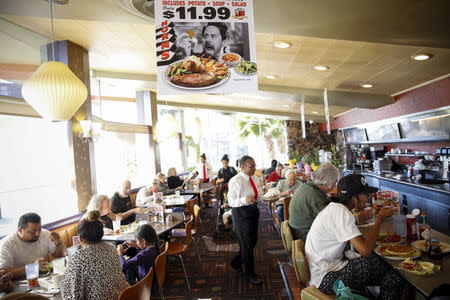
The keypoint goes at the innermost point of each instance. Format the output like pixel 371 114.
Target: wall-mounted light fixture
pixel 90 131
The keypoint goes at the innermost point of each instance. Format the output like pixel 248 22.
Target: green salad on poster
pixel 246 67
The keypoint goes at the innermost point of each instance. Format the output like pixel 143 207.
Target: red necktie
pixel 255 190
pixel 204 172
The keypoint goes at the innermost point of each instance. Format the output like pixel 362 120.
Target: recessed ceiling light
pixel 315 112
pixel 366 85
pixel 271 76
pixel 282 44
pixel 320 68
pixel 260 107
pixel 286 105
pixel 421 56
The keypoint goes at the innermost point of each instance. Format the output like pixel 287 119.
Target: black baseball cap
pixel 354 184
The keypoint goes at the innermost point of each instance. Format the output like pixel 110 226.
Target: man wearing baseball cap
pixel 329 235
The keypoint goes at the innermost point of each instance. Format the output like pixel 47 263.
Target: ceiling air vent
pixel 140 8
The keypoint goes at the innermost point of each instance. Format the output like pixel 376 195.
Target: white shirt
pixel 240 188
pixel 333 227
pixel 16 253
pixel 144 196
pixel 199 169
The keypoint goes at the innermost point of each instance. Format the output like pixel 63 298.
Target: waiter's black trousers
pixel 245 220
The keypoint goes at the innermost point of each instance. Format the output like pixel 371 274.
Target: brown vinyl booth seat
pixel 66 233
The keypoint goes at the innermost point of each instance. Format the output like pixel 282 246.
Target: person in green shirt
pixel 310 198
pixel 286 187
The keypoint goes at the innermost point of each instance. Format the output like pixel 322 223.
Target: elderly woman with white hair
pixel 103 205
pixel 310 198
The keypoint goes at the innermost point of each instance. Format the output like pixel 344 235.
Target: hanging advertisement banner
pixel 205 47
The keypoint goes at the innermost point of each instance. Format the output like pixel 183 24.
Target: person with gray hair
pixel 286 187
pixel 102 203
pixel 310 198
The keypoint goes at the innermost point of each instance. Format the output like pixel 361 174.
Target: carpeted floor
pixel 212 278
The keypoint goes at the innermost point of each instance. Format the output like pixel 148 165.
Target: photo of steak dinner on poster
pixel 205 48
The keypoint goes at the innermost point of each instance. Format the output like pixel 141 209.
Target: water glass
pixel 177 194
pixel 59 265
pixel 32 273
pixel 116 227
pixel 399 224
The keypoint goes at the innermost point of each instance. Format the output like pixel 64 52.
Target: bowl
pixel 230 59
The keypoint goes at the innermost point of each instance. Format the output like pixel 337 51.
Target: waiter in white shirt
pixel 243 194
pixel 204 169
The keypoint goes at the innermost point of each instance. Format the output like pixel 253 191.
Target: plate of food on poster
pixel 197 73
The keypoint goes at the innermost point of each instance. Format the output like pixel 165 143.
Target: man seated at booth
pixel 29 244
pixel 275 176
pixel 121 202
pixel 145 195
pixel 286 187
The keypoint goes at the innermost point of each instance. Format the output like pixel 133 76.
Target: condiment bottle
pixel 424 227
pixel 411 228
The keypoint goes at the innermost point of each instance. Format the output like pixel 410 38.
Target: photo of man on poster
pixel 216 37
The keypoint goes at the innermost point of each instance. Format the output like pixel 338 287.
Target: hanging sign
pixel 205 47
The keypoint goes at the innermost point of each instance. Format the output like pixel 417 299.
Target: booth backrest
pixel 66 233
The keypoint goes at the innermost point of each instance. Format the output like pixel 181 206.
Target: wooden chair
pixel 276 221
pixel 302 273
pixel 181 232
pixel 286 202
pixel 177 248
pixel 286 236
pixel 141 290
pixel 161 269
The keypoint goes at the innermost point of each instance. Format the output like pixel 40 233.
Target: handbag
pixel 344 292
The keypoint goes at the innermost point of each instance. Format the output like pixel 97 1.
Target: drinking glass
pixel 116 227
pixel 177 194
pixel 399 224
pixel 59 265
pixel 32 273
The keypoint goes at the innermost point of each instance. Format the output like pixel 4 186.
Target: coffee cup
pixel 56 280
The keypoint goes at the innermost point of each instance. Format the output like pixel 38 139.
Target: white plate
pixel 416 245
pixel 418 254
pixel 222 81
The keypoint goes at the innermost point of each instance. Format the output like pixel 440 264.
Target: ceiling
pixel 360 41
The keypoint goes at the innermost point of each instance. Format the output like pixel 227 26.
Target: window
pixel 120 156
pixel 37 171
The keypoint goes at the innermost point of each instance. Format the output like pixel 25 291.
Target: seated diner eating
pixel 121 202
pixel 310 198
pixel 93 272
pixel 286 187
pixel 144 196
pixel 29 244
pixel 138 266
pixel 103 205
pixel 332 230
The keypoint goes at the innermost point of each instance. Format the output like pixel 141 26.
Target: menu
pixel 205 47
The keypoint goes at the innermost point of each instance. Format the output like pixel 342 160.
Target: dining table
pixel 198 191
pixel 172 200
pixel 424 284
pixel 161 228
pixel 21 286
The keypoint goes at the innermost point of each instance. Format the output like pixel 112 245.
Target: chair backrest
pixel 196 214
pixel 286 202
pixel 286 236
pixel 161 266
pixel 300 263
pixel 190 205
pixel 188 228
pixel 178 216
pixel 141 290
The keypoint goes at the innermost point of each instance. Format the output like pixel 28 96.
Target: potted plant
pixel 315 160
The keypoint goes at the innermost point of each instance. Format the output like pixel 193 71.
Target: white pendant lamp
pixel 53 90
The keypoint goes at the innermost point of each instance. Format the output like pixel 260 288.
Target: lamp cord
pixel 51 21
